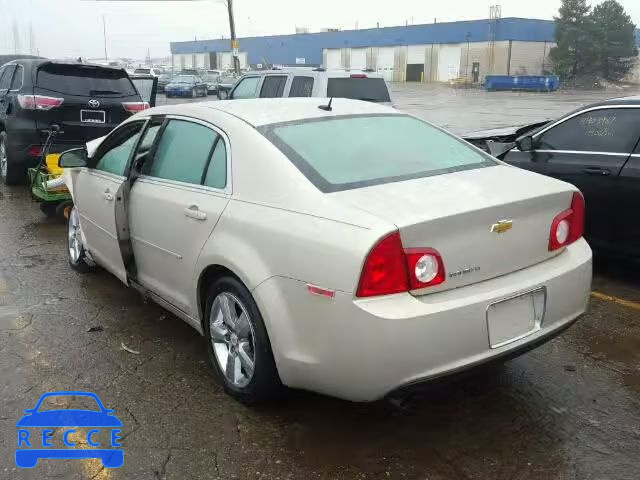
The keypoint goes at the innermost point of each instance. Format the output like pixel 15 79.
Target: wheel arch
pixel 210 274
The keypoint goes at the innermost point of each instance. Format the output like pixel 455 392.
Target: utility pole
pixel 234 41
pixel 104 35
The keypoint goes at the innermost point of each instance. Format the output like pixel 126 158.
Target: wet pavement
pixel 568 410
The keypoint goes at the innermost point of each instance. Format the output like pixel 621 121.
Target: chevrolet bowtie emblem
pixel 502 226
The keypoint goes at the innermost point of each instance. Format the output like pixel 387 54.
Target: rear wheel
pixel 237 343
pixel 49 208
pixel 222 94
pixel 77 254
pixel 63 210
pixel 10 174
pixel 194 93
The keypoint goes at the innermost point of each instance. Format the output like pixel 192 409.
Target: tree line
pixel 598 43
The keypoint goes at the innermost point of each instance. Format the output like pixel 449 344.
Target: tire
pixel 75 248
pixel 194 93
pixel 63 210
pixel 223 94
pixel 48 208
pixel 10 173
pixel 236 343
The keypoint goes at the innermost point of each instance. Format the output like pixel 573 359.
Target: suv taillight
pixel 39 102
pixel 135 107
pixel 389 268
pixel 568 226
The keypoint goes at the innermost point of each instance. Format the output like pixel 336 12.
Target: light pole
pixel 466 72
pixel 234 41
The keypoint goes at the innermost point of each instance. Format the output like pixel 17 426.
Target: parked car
pixel 225 84
pixel 596 148
pixel 156 72
pixel 86 101
pixel 212 83
pixel 419 245
pixel 164 80
pixel 186 86
pixel 298 82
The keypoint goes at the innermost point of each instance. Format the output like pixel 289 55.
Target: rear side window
pixel 273 86
pixel 217 172
pixel 5 77
pixel 183 152
pixel 301 87
pixel 84 80
pixel 247 88
pixel 369 89
pixel 343 153
pixel 16 83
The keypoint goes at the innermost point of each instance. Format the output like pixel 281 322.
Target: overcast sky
pixel 71 28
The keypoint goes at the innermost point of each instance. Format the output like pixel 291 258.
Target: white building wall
pixel 449 61
pixel 527 58
pixel 359 58
pixel 334 58
pixel 416 53
pixel 385 62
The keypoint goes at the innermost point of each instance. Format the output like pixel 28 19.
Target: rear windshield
pixel 84 80
pixel 370 89
pixel 358 151
pixel 142 70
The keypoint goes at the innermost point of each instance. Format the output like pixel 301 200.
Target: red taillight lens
pixel 384 270
pixel 568 226
pixel 391 269
pixel 34 151
pixel 135 107
pixel 39 102
pixel 358 75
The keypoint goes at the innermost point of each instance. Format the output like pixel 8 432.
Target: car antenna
pixel 327 107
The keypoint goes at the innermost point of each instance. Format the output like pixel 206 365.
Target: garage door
pixel 359 58
pixel 334 58
pixel 386 57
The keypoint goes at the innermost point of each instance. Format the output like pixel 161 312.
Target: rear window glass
pixel 84 80
pixel 301 87
pixel 370 89
pixel 359 151
pixel 142 70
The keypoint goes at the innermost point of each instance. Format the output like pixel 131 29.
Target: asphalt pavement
pixel 568 410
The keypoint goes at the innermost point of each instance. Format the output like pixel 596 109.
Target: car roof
pixel 631 100
pixel 315 72
pixel 45 61
pixel 265 111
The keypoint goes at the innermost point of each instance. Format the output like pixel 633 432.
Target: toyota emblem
pixel 93 103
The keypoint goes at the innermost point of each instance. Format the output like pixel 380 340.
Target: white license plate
pixel 516 317
pixel 92 116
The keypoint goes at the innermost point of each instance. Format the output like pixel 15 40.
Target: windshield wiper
pixel 103 92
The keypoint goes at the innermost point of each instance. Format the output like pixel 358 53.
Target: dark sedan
pixel 186 86
pixel 596 148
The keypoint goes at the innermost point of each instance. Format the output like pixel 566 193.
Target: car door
pixel 97 193
pixel 589 149
pixel 175 204
pixel 6 75
pixel 628 201
pixel 247 87
pixel 273 86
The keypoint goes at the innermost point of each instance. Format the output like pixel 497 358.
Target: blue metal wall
pixel 284 49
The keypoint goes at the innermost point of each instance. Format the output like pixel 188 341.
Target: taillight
pixel 568 226
pixel 135 107
pixel 358 75
pixel 34 151
pixel 389 268
pixel 39 102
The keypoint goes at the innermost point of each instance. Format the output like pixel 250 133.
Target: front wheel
pixel 9 173
pixel 194 93
pixel 223 94
pixel 77 253
pixel 237 343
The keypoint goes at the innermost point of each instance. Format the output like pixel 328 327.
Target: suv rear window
pixel 84 80
pixel 342 153
pixel 370 89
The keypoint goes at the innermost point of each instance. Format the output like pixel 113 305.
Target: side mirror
pixel 76 157
pixel 524 144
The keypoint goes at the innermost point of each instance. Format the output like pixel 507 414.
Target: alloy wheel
pixel 233 339
pixel 3 159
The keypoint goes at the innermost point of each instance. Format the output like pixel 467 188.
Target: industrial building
pixel 437 52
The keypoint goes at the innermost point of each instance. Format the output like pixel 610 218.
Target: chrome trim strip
pixel 578 152
pixel 97 226
pixel 163 250
pixel 182 185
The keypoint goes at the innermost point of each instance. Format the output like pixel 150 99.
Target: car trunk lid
pixel 484 222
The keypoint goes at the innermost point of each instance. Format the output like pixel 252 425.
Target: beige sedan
pixel 351 250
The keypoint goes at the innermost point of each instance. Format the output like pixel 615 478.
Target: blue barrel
pixel 529 83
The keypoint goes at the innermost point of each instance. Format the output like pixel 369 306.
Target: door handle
pixel 597 171
pixel 192 211
pixel 108 196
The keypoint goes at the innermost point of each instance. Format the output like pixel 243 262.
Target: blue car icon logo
pixel 36 429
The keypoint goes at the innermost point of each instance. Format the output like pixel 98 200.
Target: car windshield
pixel 164 78
pixel 358 88
pixel 184 79
pixel 227 80
pixel 210 78
pixel 343 153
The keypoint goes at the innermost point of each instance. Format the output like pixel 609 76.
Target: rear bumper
pixel 178 93
pixel 363 349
